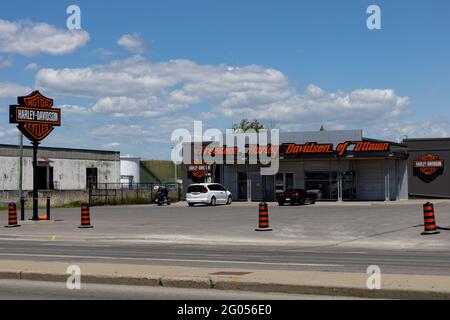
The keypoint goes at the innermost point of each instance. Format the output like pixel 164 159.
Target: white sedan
pixel 208 193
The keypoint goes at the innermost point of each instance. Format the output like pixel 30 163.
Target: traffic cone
pixel 263 218
pixel 85 217
pixel 429 219
pixel 12 216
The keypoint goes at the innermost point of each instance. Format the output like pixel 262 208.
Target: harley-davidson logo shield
pixel 199 171
pixel 35 131
pixel 429 164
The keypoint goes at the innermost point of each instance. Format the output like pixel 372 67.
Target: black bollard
pixel 22 208
pixel 48 208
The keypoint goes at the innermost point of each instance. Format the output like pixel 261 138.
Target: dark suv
pixel 296 196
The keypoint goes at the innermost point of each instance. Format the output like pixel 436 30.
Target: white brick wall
pixel 68 174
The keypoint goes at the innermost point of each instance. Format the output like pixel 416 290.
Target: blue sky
pixel 291 64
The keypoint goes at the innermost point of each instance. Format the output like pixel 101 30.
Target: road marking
pixel 76 245
pixel 171 260
pixel 335 252
pixel 355 252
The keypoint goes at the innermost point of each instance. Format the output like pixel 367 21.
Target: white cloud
pixel 434 128
pixel 360 108
pixel 13 90
pixel 129 77
pixel 29 38
pixel 103 53
pixel 132 42
pixel 73 109
pixel 6 62
pixel 137 88
pixel 122 106
pixel 158 132
pixel 10 133
pixel 32 67
pixel 112 145
pixel 314 91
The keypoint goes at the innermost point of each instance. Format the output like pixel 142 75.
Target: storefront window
pixel 279 182
pixel 322 183
pixel 289 181
pixel 284 181
pixel 325 184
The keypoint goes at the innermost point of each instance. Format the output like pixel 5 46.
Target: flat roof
pixel 399 144
pixel 327 136
pixel 7 150
pixel 426 139
pixel 14 146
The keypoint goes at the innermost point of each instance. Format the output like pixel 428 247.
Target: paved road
pixel 249 257
pixel 381 226
pixel 318 238
pixel 37 290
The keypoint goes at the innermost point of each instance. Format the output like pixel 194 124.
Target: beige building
pixel 58 168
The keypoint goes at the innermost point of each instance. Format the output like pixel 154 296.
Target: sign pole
pixel 22 210
pixel 35 182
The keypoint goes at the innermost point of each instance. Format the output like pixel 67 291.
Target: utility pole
pixel 175 167
pixel 21 197
pixel 20 165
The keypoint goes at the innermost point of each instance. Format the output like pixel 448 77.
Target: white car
pixel 208 193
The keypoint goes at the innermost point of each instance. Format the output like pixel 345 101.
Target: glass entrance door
pixel 324 184
pixel 242 186
pixel 349 185
pixel 250 186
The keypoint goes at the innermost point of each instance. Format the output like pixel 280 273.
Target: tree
pixel 322 128
pixel 246 125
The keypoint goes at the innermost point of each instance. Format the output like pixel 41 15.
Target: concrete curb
pixel 231 284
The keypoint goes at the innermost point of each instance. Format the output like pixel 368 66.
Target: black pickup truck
pixel 296 196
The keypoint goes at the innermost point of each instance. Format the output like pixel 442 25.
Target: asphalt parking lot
pixel 378 225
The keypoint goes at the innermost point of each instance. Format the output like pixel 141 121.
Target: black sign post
pixel 36 119
pixel 35 182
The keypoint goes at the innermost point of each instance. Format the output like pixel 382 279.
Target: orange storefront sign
pixel 309 148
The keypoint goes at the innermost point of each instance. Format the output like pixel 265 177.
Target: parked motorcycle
pixel 162 197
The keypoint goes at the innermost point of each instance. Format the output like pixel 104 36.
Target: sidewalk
pixel 295 282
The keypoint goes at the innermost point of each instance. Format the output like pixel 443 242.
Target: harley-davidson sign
pixel 309 148
pixel 36 119
pixel 429 164
pixel 35 116
pixel 199 171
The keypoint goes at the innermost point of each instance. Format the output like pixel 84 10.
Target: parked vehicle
pixel 162 197
pixel 296 196
pixel 208 193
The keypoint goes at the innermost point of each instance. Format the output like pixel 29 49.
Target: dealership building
pixel 337 165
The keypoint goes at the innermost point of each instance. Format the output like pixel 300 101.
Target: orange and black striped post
pixel 429 219
pixel 12 216
pixel 47 216
pixel 263 217
pixel 85 217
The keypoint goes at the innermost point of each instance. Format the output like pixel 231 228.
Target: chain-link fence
pixel 126 193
